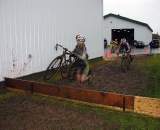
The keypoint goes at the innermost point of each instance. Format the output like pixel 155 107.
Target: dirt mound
pixel 109 77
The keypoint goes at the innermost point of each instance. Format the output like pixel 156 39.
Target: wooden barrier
pixel 91 96
pixel 144 105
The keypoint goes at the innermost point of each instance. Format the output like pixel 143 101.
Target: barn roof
pixel 128 19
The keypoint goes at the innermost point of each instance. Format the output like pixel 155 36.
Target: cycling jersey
pixel 82 63
pixel 124 45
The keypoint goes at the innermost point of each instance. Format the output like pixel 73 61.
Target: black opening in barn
pixel 123 33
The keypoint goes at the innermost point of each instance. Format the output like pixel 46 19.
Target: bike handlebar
pixel 65 49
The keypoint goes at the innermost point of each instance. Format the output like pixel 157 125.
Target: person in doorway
pixel 83 66
pixel 105 43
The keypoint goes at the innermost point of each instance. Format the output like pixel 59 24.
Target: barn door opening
pixel 123 33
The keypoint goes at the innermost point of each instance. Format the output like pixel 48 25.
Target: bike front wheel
pixel 65 69
pixel 53 68
pixel 124 64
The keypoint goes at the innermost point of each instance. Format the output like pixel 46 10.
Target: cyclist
pixel 124 46
pixel 114 45
pixel 81 52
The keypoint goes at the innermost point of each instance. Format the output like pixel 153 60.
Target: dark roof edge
pixel 128 19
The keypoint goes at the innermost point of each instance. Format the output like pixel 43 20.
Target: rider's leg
pixel 85 72
pixel 84 77
pixel 129 55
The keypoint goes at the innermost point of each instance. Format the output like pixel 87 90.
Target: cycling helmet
pixel 80 38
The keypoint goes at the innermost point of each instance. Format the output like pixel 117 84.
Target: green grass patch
pixel 125 120
pixel 4 95
pixel 120 120
pixel 151 67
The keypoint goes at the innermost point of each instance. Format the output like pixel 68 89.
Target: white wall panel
pixel 29 30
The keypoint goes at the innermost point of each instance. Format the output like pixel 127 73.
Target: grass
pixel 111 119
pixel 151 67
pixel 4 95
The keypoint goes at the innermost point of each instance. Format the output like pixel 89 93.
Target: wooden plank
pixel 148 106
pixel 91 96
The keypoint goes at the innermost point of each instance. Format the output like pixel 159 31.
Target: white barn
pixel 117 27
pixel 29 30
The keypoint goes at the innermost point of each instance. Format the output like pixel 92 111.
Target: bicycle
pixel 63 64
pixel 126 60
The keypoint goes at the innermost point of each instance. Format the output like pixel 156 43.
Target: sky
pixel 147 11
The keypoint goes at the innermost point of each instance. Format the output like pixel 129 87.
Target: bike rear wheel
pixel 53 68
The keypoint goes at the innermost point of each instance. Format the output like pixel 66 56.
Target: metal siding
pixel 33 27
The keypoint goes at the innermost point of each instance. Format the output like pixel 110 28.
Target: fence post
pixel 124 103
